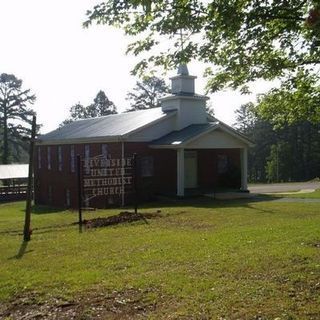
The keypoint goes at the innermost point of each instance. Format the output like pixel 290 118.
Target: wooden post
pixel 27 221
pixel 135 182
pixel 79 189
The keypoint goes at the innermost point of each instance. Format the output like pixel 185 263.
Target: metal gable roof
pixel 116 125
pixel 177 138
pixel 13 171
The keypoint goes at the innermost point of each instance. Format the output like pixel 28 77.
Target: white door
pixel 190 169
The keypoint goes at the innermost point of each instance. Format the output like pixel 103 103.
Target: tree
pixel 146 93
pixel 262 134
pixel 101 106
pixel 279 162
pixel 209 108
pixel 77 112
pixel 245 40
pixel 296 100
pixel 287 153
pixel 14 115
pixel 246 118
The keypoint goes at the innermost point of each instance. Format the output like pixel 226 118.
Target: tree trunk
pixel 27 230
pixel 5 155
pixel 308 152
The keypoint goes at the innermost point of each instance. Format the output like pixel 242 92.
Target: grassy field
pixel 197 259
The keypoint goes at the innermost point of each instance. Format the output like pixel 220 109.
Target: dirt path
pixel 283 187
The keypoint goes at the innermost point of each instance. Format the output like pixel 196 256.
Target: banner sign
pixel 107 176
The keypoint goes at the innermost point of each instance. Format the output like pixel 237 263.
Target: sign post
pixel 26 231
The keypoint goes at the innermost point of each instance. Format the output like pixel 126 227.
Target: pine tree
pixel 14 115
pixel 101 106
pixel 146 93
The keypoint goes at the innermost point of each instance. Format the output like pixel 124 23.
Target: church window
pixel 146 166
pixel 49 157
pixel 72 159
pixel 87 158
pixel 104 153
pixel 60 158
pixel 39 157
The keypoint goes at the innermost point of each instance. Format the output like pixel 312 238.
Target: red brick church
pixel 180 149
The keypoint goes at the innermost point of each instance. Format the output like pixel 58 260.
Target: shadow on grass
pixel 206 202
pixel 22 251
pixel 162 203
pixel 39 230
pixel 41 209
pixel 196 201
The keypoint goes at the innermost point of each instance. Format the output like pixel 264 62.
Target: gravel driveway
pixel 283 187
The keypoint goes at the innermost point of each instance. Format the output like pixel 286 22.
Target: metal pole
pixel 79 189
pixel 27 221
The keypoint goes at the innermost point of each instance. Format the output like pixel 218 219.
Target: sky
pixel 44 44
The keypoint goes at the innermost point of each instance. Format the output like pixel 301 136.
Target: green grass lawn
pixel 199 259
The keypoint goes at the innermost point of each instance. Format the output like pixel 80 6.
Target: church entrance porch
pixel 208 156
pixel 203 170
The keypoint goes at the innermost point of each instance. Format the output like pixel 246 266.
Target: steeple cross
pixel 182 38
pixel 182 69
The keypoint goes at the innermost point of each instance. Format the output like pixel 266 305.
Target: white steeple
pixel 182 82
pixel 190 107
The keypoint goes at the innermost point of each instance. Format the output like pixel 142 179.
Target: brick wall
pixel 52 185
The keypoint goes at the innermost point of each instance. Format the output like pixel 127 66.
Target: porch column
pixel 180 172
pixel 244 168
